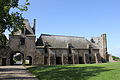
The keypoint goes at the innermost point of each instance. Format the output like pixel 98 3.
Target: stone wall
pixel 101 43
pixel 5 53
pixel 78 56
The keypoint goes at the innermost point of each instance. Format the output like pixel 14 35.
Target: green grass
pixel 105 71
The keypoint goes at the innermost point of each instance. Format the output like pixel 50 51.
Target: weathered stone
pixel 54 49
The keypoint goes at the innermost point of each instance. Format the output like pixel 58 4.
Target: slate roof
pixel 58 41
pixel 28 29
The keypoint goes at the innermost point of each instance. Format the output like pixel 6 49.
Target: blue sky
pixel 84 18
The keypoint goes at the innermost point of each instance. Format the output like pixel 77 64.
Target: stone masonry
pixel 53 49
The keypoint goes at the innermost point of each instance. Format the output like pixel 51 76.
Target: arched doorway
pixel 28 60
pixel 17 58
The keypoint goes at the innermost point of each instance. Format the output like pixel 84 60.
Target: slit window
pixel 46 50
pixel 22 41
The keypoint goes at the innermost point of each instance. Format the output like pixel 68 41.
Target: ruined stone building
pixel 52 49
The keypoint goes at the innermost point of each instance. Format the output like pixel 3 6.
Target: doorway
pixel 17 58
pixel 80 60
pixel 3 61
pixel 28 60
pixel 70 60
pixel 58 60
pixel 45 60
pixel 90 59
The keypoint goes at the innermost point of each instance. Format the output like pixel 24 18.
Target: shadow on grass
pixel 66 72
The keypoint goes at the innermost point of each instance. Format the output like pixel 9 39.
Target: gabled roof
pixel 58 41
pixel 28 29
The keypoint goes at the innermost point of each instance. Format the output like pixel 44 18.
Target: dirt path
pixel 15 73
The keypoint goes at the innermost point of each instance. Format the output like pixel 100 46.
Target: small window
pixel 46 47
pixel 22 41
pixel 46 50
pixel 70 48
pixel 92 40
pixel 90 49
pixel 70 51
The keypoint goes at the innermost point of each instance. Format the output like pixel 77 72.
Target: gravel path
pixel 15 73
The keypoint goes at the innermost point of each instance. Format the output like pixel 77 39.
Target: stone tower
pixel 101 42
pixel 24 41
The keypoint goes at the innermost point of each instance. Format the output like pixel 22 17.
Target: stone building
pixel 52 49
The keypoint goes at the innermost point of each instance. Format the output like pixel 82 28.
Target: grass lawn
pixel 105 71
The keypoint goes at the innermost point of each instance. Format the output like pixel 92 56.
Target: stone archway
pixel 28 60
pixel 17 58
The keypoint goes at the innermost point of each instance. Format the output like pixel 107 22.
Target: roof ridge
pixel 61 35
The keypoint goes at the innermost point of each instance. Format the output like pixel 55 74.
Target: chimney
pixel 34 26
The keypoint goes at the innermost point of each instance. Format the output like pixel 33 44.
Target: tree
pixel 115 58
pixel 11 20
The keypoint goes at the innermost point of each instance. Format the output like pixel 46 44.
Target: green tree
pixel 11 20
pixel 115 58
